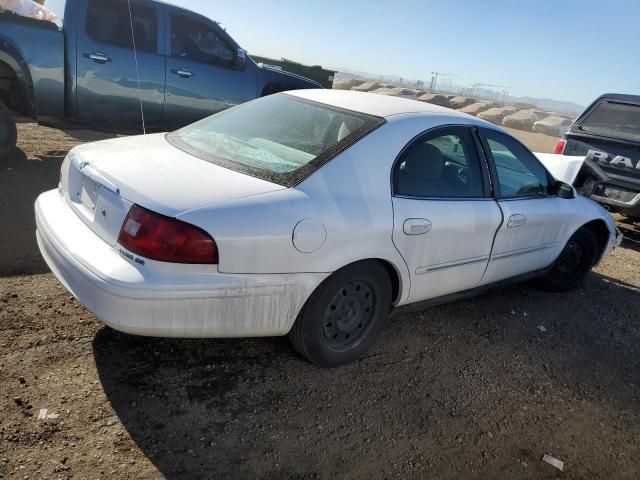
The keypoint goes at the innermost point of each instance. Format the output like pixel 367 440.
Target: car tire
pixel 344 315
pixel 573 264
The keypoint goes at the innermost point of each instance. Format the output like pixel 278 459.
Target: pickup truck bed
pixel 31 70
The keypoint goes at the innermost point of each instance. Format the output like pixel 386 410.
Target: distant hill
pixel 550 104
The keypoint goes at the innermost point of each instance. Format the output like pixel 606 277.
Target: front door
pixel 535 222
pixel 201 76
pixel 444 217
pixel 108 90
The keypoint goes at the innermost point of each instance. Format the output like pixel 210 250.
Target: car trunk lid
pixel 104 179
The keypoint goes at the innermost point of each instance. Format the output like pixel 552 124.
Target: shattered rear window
pixel 279 138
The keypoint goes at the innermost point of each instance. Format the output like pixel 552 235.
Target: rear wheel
pixel 8 132
pixel 342 318
pixel 573 263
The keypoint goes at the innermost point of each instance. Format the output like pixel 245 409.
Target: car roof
pixel 619 97
pixel 375 104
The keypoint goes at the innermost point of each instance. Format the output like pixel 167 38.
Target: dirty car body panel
pixel 326 196
pixel 34 51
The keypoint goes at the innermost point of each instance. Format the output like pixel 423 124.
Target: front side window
pixel 194 40
pixel 520 174
pixel 108 22
pixel 279 138
pixel 443 164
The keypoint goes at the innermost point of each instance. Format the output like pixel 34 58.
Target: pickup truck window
pixel 197 41
pixel 278 138
pixel 108 22
pixel 615 120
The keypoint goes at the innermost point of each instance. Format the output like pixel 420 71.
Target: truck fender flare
pixel 10 55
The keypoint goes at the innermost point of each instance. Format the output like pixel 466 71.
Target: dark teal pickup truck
pixel 184 67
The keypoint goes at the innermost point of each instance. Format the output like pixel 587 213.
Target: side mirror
pixel 564 190
pixel 240 59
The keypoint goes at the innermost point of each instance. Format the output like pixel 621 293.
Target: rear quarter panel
pixel 38 48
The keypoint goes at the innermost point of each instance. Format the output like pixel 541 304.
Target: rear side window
pixel 108 22
pixel 199 42
pixel 616 120
pixel 442 164
pixel 520 174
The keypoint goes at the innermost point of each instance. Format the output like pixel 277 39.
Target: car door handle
pixel 416 226
pixel 98 57
pixel 516 220
pixel 182 72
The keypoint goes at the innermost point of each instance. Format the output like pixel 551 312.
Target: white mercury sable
pixel 310 213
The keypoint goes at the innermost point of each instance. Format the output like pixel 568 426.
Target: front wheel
pixel 343 317
pixel 573 264
pixel 8 132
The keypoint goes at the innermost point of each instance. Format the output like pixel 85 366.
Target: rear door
pixel 200 71
pixel 108 90
pixel 444 216
pixel 534 222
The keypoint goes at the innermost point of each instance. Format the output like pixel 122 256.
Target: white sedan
pixel 310 213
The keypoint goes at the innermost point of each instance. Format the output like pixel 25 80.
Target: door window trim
pixel 134 3
pixel 486 181
pixel 494 172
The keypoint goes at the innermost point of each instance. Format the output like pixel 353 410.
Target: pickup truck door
pixel 202 76
pixel 534 221
pixel 444 217
pixel 107 89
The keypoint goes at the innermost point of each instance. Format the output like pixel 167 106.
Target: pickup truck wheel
pixel 343 317
pixel 573 264
pixel 8 132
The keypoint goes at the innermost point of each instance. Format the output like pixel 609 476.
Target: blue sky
pixel 564 49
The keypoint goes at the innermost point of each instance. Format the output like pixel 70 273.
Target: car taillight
pixel 560 147
pixel 166 239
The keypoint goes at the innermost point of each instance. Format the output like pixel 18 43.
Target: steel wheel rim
pixel 571 260
pixel 348 314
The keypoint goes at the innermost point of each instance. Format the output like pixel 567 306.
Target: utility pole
pixel 434 78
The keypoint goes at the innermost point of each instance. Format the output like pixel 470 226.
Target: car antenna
pixel 135 57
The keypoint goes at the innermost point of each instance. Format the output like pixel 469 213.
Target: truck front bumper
pixel 617 198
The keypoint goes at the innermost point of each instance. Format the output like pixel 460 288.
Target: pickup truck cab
pixel 607 134
pixel 184 67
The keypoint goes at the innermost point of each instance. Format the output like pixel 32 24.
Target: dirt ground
pixel 481 388
pixel 537 142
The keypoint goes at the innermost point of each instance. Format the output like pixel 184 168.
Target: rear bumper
pixel 160 299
